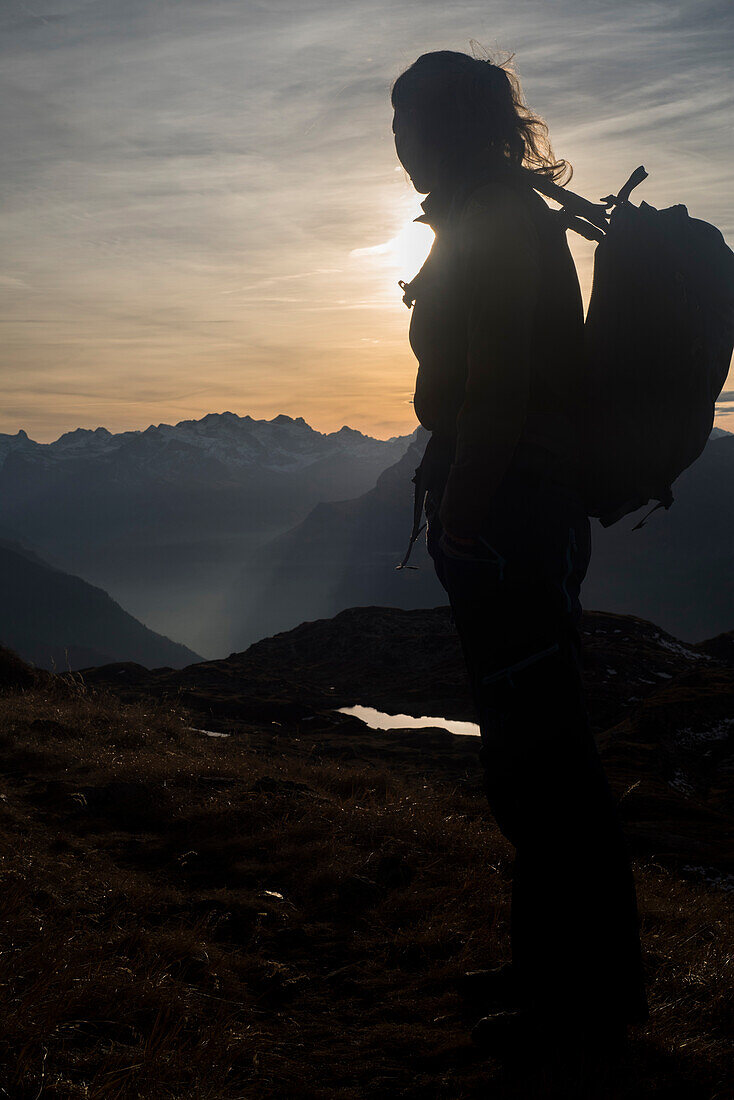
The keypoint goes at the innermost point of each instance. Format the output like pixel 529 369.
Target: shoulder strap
pixel 589 219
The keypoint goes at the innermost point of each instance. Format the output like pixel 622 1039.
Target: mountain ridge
pixel 227 436
pixel 57 620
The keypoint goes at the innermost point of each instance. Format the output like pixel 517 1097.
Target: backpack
pixel 659 334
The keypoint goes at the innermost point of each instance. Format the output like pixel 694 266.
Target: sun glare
pixel 405 253
pixel 411 247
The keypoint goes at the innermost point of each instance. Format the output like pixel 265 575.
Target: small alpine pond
pixel 379 720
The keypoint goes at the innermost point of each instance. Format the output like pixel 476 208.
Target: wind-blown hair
pixel 473 111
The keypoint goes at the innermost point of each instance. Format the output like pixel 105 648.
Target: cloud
pixel 168 165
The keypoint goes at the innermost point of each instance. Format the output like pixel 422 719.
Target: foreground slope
pixel 663 710
pixel 284 912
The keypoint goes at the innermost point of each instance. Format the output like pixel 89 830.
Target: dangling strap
pixel 660 504
pixel 584 229
pixel 418 503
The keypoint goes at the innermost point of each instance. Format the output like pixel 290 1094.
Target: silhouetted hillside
pixel 343 554
pixel 59 621
pixel 677 570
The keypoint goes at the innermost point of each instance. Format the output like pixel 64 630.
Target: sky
pixel 201 209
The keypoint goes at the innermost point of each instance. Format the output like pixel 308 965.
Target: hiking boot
pixel 486 990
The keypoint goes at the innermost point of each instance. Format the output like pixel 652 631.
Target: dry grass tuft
pixel 245 917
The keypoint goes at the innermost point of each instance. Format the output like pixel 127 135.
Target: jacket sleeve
pixel 499 254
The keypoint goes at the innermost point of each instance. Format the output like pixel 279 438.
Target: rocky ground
pixel 284 911
pixel 662 710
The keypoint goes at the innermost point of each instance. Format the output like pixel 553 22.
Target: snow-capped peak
pixel 284 443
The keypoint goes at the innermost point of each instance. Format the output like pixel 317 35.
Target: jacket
pixel 497 328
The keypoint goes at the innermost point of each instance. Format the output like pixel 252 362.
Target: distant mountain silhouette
pixel 224 530
pixel 59 621
pixel 343 554
pixel 163 518
pixel 237 442
pixel 677 570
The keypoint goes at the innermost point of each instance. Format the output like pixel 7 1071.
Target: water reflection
pixel 379 720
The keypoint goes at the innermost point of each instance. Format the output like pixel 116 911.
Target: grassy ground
pixel 268 915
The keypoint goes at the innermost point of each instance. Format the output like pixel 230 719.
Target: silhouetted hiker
pixel 497 328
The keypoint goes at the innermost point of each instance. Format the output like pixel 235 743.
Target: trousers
pixel 515 600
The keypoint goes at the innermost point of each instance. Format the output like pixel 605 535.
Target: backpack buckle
pixel 408 298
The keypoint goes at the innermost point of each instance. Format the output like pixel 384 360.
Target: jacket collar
pixel 441 202
pixel 435 207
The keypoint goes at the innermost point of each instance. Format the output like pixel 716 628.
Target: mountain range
pixel 236 442
pixel 224 530
pixel 162 519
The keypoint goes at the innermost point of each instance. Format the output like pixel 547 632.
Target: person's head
pixel 456 115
